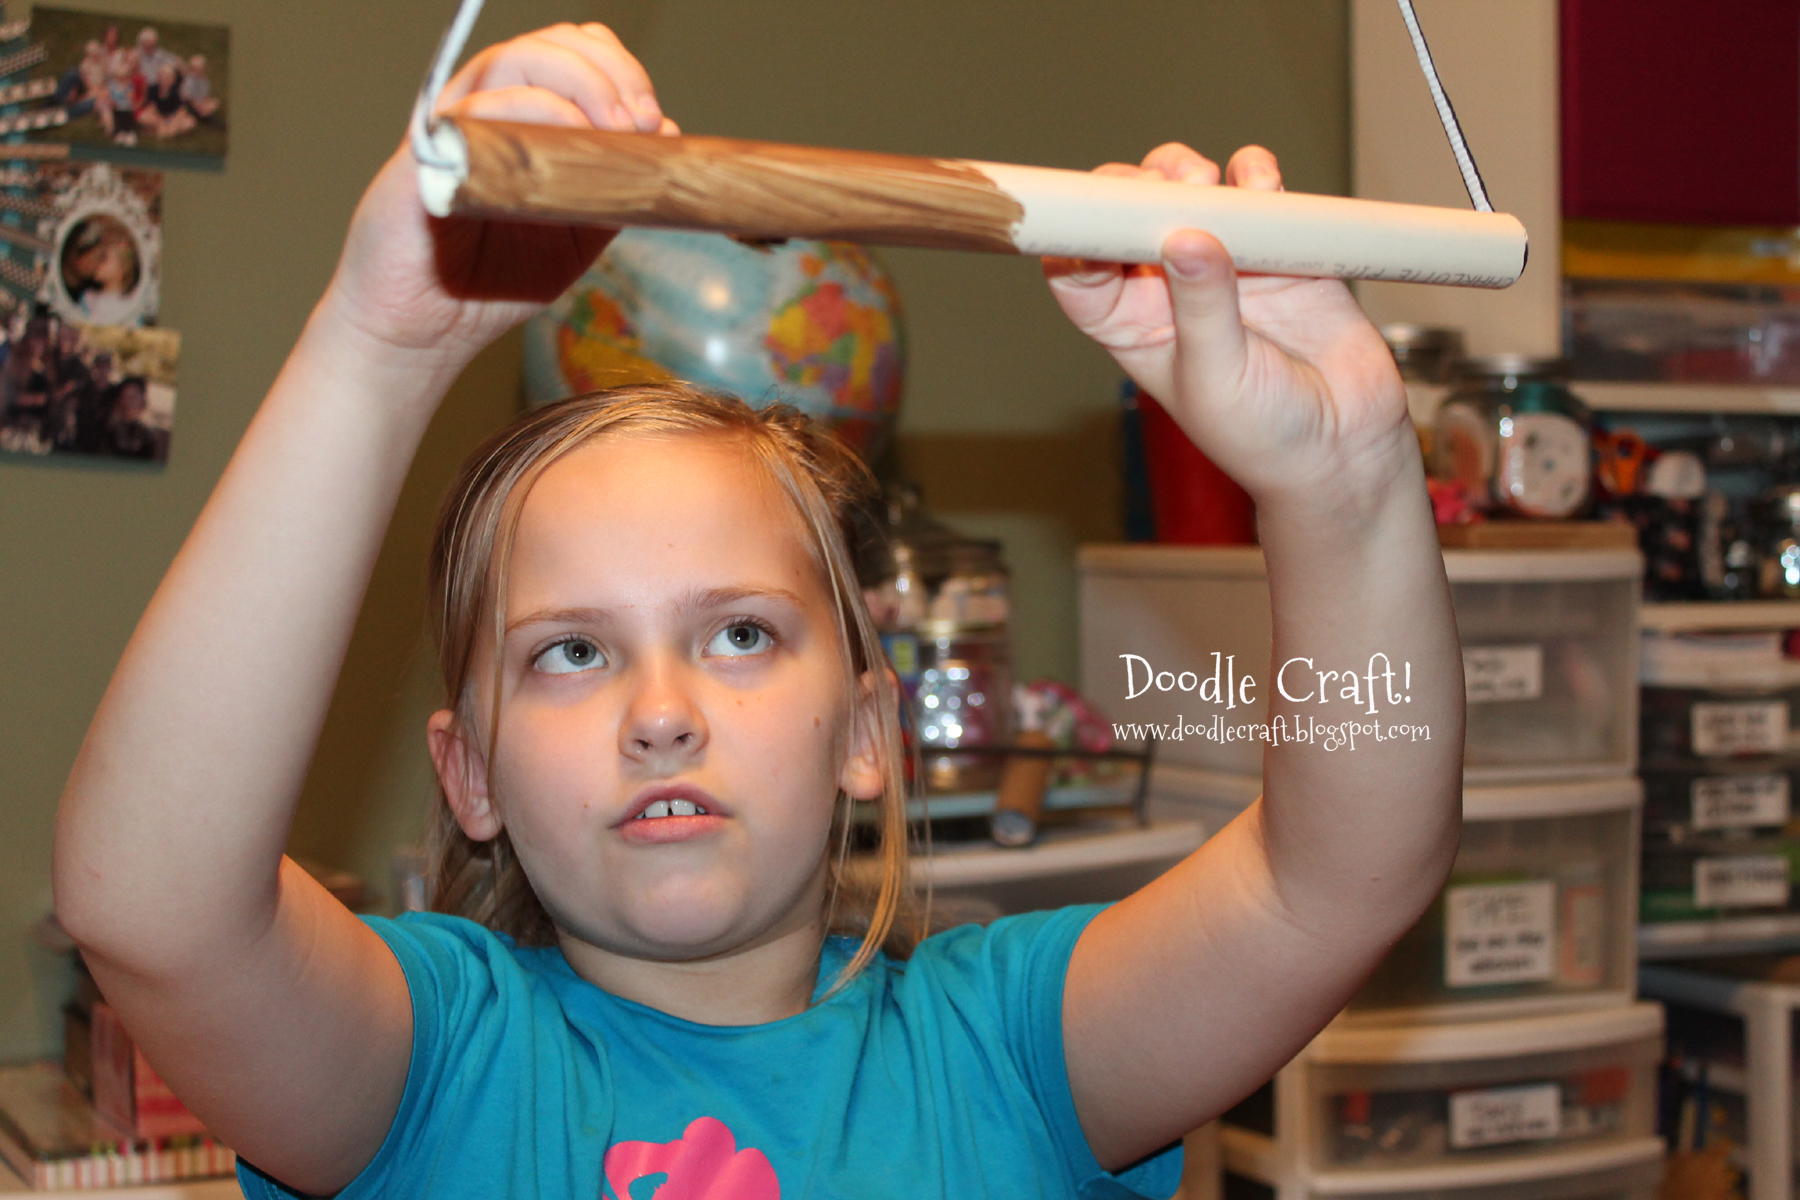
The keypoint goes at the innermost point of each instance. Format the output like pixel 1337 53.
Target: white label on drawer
pixel 1742 881
pixel 1731 801
pixel 1503 673
pixel 1499 933
pixel 1496 1116
pixel 1739 727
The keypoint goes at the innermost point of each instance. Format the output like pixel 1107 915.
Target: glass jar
pixel 1514 436
pixel 1424 353
pixel 1781 543
pixel 943 604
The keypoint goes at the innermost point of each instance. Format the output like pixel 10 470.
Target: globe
pixel 813 324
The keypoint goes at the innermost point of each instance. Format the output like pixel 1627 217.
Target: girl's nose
pixel 663 727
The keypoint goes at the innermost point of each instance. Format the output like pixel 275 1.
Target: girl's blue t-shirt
pixel 940 1076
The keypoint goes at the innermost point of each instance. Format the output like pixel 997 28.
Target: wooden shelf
pixel 192 1189
pixel 1720 615
pixel 1423 399
pixel 1726 935
pixel 1688 398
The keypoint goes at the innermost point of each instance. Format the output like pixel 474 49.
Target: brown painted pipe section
pixel 746 188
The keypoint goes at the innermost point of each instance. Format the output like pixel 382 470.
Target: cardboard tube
pixel 766 190
pixel 1021 798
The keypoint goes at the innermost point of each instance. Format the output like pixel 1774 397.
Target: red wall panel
pixel 1681 111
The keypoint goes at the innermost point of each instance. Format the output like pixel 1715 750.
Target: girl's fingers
pixel 1088 292
pixel 1087 288
pixel 1080 272
pixel 1183 164
pixel 602 48
pixel 1211 346
pixel 1254 167
pixel 554 68
pixel 526 104
pixel 1122 170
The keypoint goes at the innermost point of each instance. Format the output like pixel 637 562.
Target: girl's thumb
pixel 1209 334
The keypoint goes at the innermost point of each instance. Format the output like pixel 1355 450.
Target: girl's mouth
pixel 677 813
pixel 670 808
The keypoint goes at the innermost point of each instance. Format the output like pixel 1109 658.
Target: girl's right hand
pixel 446 287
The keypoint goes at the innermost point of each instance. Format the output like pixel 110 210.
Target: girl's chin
pixel 688 929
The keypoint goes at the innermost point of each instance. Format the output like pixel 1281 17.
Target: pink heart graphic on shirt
pixel 705 1164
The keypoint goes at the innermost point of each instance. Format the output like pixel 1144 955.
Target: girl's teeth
pixel 671 808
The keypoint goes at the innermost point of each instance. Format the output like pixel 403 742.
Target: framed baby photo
pixel 104 261
pixel 134 90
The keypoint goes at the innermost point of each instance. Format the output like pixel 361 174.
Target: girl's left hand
pixel 450 285
pixel 1283 382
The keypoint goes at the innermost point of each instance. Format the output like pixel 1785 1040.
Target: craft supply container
pixel 943 604
pixel 1682 725
pixel 1636 1176
pixel 1404 1109
pixel 1515 437
pixel 1549 657
pixel 1094 861
pixel 1718 801
pixel 1538 914
pixel 1711 881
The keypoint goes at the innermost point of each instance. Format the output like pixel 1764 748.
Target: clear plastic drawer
pixel 1169 635
pixel 1688 724
pixel 1537 914
pixel 1411 1097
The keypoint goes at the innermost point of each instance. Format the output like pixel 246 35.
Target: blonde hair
pixel 470 553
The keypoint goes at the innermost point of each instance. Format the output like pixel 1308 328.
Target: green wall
pixel 1007 420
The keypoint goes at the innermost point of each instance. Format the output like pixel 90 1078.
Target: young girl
pixel 663 694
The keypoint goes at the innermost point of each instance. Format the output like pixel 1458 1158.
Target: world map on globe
pixel 817 325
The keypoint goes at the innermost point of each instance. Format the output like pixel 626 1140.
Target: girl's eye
pixel 566 658
pixel 735 641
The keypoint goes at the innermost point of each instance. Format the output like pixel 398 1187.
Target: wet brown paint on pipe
pixel 750 189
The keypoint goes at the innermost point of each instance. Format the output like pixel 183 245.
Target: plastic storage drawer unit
pixel 1636 1176
pixel 978 881
pixel 1736 1015
pixel 1170 633
pixel 1394 1097
pixel 1537 916
pixel 1399 1105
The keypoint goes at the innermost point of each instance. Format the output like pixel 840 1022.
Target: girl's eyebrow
pixel 710 598
pixel 697 601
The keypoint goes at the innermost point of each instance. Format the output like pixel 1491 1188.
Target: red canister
pixel 1194 503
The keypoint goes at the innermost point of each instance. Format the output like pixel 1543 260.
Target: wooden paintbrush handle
pixel 769 190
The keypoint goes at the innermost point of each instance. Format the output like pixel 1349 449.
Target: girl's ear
pixel 862 777
pixel 462 772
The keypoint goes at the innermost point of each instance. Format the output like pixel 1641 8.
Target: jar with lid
pixel 1515 437
pixel 1424 353
pixel 943 605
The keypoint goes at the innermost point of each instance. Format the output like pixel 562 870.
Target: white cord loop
pixel 448 51
pixel 457 36
pixel 1465 162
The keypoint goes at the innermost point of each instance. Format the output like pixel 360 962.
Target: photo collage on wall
pixel 90 106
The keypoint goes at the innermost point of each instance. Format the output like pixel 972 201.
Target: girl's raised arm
pixel 1186 996
pixel 281 1019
